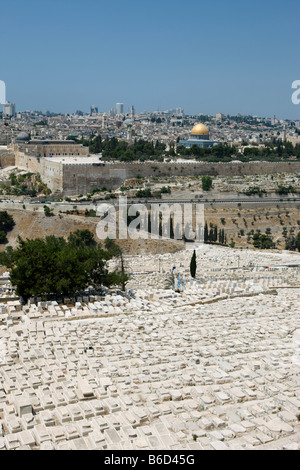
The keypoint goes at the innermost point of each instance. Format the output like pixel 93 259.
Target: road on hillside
pixel 115 202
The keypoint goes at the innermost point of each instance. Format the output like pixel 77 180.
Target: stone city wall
pixel 7 158
pixel 81 179
pixel 27 162
pixel 51 174
pixel 73 179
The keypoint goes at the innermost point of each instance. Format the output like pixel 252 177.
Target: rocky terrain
pixel 239 221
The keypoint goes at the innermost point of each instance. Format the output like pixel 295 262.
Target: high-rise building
pixel 2 92
pixel 104 120
pixel 132 112
pixel 94 109
pixel 179 111
pixel 120 108
pixel 9 109
pixel 219 117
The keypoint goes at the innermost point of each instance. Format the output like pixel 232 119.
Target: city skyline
pixel 207 58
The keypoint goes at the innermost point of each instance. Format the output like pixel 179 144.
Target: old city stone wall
pixel 27 162
pixel 73 179
pixel 51 174
pixel 7 158
pixel 81 179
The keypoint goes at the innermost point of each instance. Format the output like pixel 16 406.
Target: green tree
pixel 193 265
pixel 3 238
pixel 144 193
pixel 6 225
pixel 95 145
pixel 90 213
pixel 82 238
pixel 206 183
pixel 48 212
pixel 206 234
pixel 55 266
pixel 263 241
pixel 6 222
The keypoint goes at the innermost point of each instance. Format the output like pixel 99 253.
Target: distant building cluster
pixel 171 127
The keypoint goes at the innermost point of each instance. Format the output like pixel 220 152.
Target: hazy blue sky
pixel 229 56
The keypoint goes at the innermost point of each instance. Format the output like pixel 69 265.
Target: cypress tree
pixel 215 233
pixel 206 233
pixel 223 237
pixel 193 265
pixel 171 229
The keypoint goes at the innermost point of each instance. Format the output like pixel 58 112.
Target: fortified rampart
pixel 82 179
pixel 7 158
pixel 75 178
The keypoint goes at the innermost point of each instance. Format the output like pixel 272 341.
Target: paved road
pixel 92 205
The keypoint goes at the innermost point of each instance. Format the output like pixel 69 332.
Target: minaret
pixel 132 112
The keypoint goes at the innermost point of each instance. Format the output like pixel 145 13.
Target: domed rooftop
pixel 200 129
pixel 128 121
pixel 23 137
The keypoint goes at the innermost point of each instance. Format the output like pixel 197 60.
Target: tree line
pixel 271 151
pixel 277 149
pixel 141 150
pixel 114 149
pixel 221 152
pixel 214 235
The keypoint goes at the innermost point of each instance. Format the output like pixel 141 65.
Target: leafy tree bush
pixel 48 212
pixel 255 190
pixel 90 213
pixel 6 225
pixel 82 237
pixel 3 238
pixel 54 266
pixel 284 190
pixel 206 183
pixel 165 190
pixel 144 193
pixel 27 184
pixel 6 222
pixel 263 241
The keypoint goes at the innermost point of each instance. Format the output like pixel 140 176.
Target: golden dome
pixel 200 129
